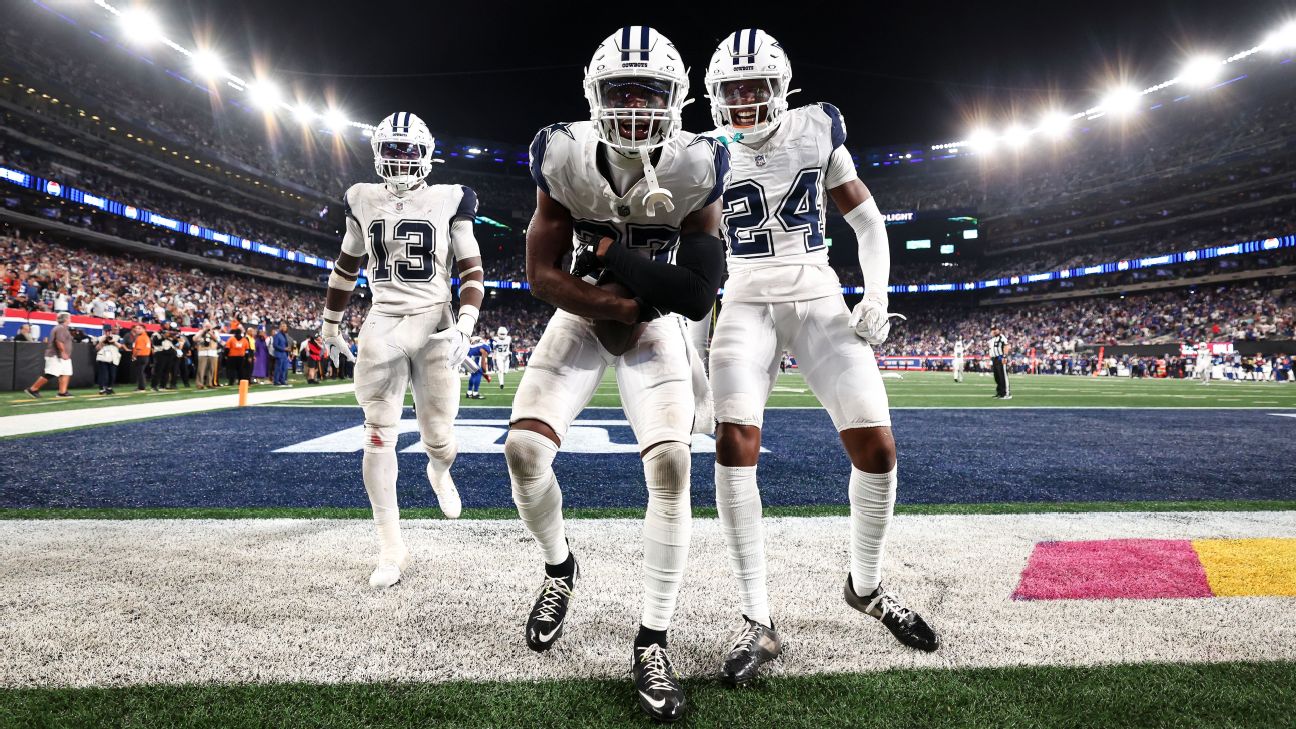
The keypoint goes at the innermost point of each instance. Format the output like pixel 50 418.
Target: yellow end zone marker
pixel 1249 567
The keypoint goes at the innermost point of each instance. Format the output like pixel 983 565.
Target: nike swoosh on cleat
pixel 546 637
pixel 655 704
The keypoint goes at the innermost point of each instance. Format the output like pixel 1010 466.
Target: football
pixel 615 337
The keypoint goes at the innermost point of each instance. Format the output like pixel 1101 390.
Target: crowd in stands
pixel 44 276
pixel 1226 312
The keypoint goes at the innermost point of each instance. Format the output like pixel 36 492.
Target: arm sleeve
pixel 688 287
pixel 841 169
pixel 721 162
pixel 874 250
pixel 353 241
pixel 463 244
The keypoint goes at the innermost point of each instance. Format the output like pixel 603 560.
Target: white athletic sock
pixel 667 525
pixel 738 503
pixel 379 470
pixel 535 491
pixel 872 500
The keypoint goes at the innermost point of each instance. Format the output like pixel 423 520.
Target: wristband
pixel 340 282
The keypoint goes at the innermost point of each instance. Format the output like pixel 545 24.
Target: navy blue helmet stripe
pixel 643 43
pixel 751 46
pixel 737 38
pixel 625 43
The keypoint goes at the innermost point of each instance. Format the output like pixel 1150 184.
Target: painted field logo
pixel 487 436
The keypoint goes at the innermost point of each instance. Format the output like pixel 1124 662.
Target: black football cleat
pixel 753 646
pixel 545 623
pixel 906 625
pixel 657 685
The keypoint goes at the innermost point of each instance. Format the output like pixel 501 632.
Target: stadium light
pixel 208 65
pixel 264 95
pixel 1200 71
pixel 140 26
pixel 1120 101
pixel 335 120
pixel 304 114
pixel 1055 124
pixel 981 140
pixel 1016 136
pixel 1282 39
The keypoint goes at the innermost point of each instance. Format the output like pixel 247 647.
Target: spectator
pixel 58 359
pixel 24 334
pixel 282 345
pixel 314 348
pixel 261 362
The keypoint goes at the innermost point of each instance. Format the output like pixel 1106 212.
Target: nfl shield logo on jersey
pixel 400 206
pixel 623 210
pixel 760 160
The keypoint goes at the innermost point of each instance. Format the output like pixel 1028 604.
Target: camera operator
pixel 207 345
pixel 164 356
pixel 184 350
pixel 107 358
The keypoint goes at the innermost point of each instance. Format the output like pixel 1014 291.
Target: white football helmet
pixel 503 332
pixel 637 86
pixel 402 148
pixel 748 82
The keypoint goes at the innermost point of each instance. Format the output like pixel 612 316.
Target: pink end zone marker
pixel 1109 569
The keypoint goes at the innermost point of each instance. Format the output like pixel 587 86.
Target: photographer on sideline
pixel 141 350
pixel 207 345
pixel 107 358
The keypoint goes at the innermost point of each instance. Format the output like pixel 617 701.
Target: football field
pixel 1124 546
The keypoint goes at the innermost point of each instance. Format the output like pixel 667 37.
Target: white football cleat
pixel 389 570
pixel 446 493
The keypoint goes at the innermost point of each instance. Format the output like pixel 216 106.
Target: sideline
pixel 12 425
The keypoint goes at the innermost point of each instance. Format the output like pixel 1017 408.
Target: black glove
pixel 586 263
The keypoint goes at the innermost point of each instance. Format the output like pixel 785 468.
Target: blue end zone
pixel 227 459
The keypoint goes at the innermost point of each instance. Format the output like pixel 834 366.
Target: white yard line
pixel 155 601
pixel 42 422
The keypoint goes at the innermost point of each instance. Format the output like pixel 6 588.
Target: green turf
pixel 938 390
pixel 701 512
pixel 1205 695
pixel 18 403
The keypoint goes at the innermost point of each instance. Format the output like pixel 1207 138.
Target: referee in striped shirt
pixel 998 349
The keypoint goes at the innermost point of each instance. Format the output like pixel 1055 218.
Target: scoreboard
pixel 932 237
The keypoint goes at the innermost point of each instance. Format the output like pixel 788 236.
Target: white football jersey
pixel 564 164
pixel 500 345
pixel 958 348
pixel 407 239
pixel 774 209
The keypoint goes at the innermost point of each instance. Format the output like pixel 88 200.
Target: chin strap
pixel 656 195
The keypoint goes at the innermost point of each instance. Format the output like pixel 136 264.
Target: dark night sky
pixel 900 71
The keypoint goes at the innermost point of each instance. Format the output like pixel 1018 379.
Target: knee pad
pixel 529 456
pixel 666 470
pixel 443 451
pixel 379 438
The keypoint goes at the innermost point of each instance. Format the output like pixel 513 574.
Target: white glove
pixel 334 344
pixel 457 343
pixel 871 322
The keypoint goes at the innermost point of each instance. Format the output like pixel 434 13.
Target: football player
pixel 634 199
pixel 958 359
pixel 781 293
pixel 500 351
pixel 409 231
pixel 478 362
